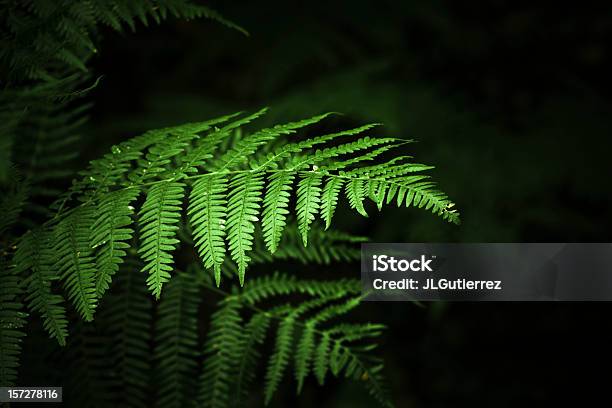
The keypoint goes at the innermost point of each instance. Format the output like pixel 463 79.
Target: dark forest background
pixel 510 101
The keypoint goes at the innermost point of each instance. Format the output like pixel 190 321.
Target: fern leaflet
pixel 158 218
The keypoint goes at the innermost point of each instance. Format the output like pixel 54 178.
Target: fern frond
pixel 176 341
pixel 207 212
pixel 12 321
pixel 253 336
pixel 89 378
pixel 222 351
pixel 324 247
pixel 279 360
pixel 34 258
pixel 13 199
pixel 158 218
pixel 109 234
pixel 306 345
pixel 355 192
pixel 292 150
pixel 243 212
pixel 75 261
pixel 330 199
pixel 275 210
pixel 127 314
pixel 278 284
pixel 308 202
pixel 250 144
pixel 280 357
pixel 320 363
pixel 226 197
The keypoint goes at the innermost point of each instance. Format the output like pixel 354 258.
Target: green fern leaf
pixel 308 202
pixel 75 261
pixel 207 211
pixel 329 200
pixel 35 256
pixel 158 218
pixel 355 192
pixel 109 234
pixel 275 210
pixel 243 210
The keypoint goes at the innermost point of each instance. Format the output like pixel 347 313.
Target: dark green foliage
pixel 176 342
pixel 128 316
pixel 222 348
pixel 238 195
pixel 12 321
pixel 36 254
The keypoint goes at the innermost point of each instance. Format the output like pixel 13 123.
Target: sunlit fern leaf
pixel 308 202
pixel 250 144
pixel 276 203
pixel 329 201
pixel 330 158
pixel 222 351
pixel 75 261
pixel 176 342
pixel 110 231
pixel 290 151
pixel 355 191
pixel 243 211
pixel 342 167
pixel 12 322
pixel 158 217
pixel 34 259
pixel 160 155
pixel 206 144
pixel 207 213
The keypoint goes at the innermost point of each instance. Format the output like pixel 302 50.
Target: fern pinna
pixel 254 199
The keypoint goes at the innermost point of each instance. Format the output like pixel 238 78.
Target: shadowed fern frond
pixel 303 336
pixel 12 321
pixel 176 342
